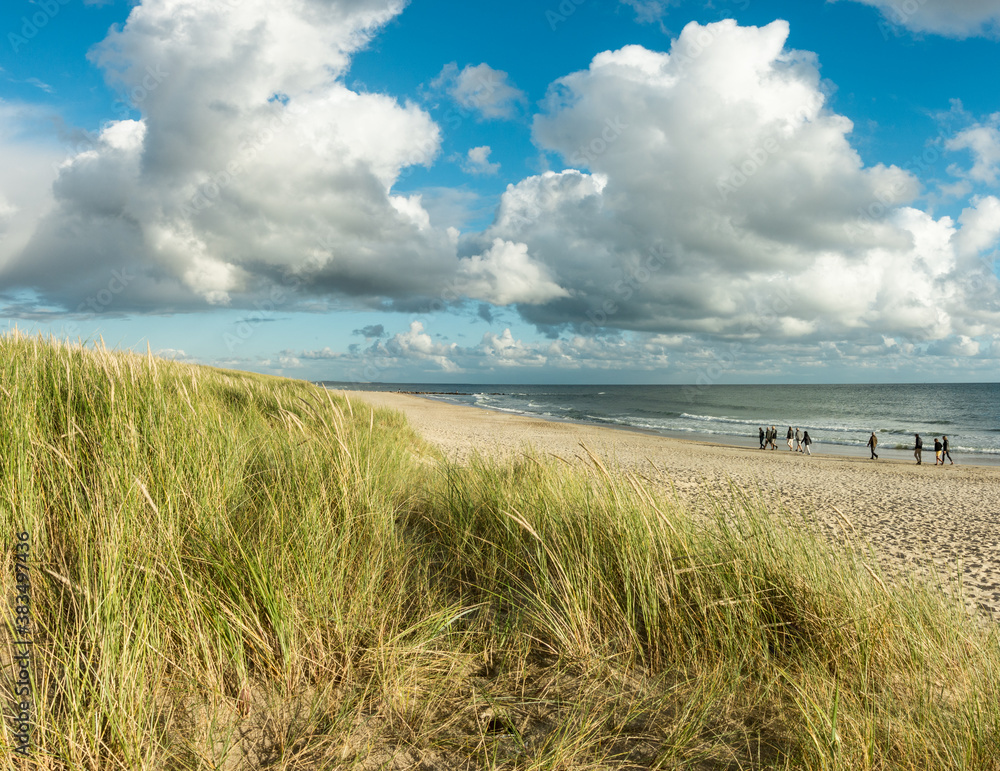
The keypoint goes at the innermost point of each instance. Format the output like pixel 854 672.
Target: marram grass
pixel 234 571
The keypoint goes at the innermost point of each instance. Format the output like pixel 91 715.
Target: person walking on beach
pixel 944 451
pixel 798 441
pixel 918 447
pixel 873 443
pixel 806 442
pixel 789 438
pixel 774 438
pixel 937 452
pixel 760 431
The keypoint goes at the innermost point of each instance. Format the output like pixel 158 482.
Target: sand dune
pixel 913 515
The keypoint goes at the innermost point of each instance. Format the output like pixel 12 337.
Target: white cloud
pixel 506 274
pixel 253 169
pixel 481 89
pixel 477 161
pixel 649 11
pixel 416 349
pixel 718 195
pixel 954 18
pixel 983 142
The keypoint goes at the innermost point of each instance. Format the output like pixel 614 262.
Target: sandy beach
pixel 913 515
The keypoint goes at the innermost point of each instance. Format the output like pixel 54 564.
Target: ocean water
pixel 839 418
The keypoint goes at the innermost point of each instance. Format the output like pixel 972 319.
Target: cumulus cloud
pixel 253 170
pixel 503 352
pixel 955 18
pixel 481 90
pixel 477 161
pixel 505 274
pixel 716 194
pixel 982 140
pixel 708 196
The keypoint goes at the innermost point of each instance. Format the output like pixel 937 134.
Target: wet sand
pixel 913 515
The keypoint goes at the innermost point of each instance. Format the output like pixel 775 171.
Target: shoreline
pixel 918 518
pixel 889 454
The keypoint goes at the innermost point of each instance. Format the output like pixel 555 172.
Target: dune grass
pixel 236 571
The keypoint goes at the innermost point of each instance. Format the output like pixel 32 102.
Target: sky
pixel 525 191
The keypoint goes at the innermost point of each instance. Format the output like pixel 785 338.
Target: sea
pixel 839 418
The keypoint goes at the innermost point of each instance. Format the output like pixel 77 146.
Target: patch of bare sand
pixel 913 515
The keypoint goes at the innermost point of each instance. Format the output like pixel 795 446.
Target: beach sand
pixel 913 515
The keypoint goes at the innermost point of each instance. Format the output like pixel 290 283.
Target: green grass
pixel 235 571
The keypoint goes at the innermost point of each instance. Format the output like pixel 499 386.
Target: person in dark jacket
pixel 937 452
pixel 918 447
pixel 944 451
pixel 807 442
pixel 873 443
pixel 760 431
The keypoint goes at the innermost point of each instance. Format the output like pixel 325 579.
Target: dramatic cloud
pixel 252 173
pixel 709 199
pixel 955 18
pixel 717 195
pixel 481 90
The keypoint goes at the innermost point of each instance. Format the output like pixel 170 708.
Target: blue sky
pixel 578 191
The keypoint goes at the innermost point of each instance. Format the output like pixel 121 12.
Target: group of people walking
pixel 797 440
pixel 941 450
pixel 800 441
